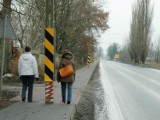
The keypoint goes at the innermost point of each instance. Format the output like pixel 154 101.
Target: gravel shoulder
pixel 92 104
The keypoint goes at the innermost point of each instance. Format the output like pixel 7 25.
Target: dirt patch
pixel 85 110
pixel 7 95
pixel 5 102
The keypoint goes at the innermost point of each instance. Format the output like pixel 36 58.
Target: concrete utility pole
pixel 6 10
pixel 3 54
pixel 49 14
pixel 50 47
pixel 6 33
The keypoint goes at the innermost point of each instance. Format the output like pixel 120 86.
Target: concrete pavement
pixel 38 110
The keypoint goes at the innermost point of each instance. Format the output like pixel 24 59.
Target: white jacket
pixel 27 65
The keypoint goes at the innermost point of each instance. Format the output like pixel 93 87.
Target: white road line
pixel 133 72
pixel 112 104
pixel 142 86
pixel 154 81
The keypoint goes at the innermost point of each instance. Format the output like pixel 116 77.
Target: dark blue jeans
pixel 69 93
pixel 27 82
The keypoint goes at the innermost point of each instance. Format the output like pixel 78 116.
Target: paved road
pixel 136 89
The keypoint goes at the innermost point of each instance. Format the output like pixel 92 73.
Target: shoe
pixel 69 102
pixel 29 100
pixel 23 99
pixel 63 101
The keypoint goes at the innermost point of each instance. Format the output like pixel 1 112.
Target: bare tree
pixel 30 23
pixel 157 51
pixel 140 33
pixel 76 22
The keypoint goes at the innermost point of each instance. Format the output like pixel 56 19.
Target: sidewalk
pixel 38 110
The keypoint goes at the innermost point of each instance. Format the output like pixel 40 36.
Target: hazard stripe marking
pixel 49 55
pixel 49 46
pixel 49 64
pixel 49 72
pixel 49 37
pixel 47 78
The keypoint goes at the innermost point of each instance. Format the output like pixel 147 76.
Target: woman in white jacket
pixel 28 71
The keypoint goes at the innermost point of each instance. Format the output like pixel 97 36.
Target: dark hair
pixel 27 49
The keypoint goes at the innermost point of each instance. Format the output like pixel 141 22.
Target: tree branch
pixel 11 9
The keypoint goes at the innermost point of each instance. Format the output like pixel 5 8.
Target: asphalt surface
pixel 136 89
pixel 38 110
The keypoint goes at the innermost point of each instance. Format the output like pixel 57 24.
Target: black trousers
pixel 27 82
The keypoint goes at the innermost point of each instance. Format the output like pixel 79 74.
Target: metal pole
pixel 3 55
pixel 49 52
pixel 54 41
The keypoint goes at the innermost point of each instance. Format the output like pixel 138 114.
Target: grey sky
pixel 120 19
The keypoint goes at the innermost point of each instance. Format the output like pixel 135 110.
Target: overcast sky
pixel 120 19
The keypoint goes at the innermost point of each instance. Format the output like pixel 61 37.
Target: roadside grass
pixel 148 64
pixel 153 65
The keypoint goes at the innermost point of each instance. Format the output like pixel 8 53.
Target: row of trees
pixel 76 23
pixel 138 42
pixel 112 50
pixel 140 32
pixel 154 53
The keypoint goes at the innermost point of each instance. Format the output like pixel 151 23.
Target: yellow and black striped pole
pixel 49 64
pixel 89 59
pixel 92 59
